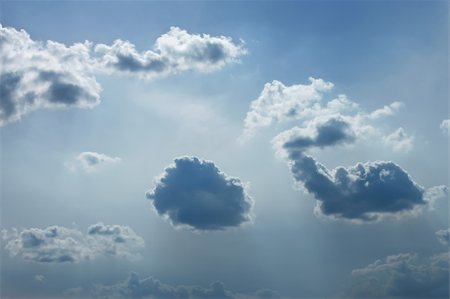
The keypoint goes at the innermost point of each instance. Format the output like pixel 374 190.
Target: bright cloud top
pixel 195 193
pixel 173 52
pixel 57 244
pixel 279 103
pixel 91 161
pixel 41 75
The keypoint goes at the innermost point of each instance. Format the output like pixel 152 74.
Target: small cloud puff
pixel 443 236
pixel 57 244
pixel 445 126
pixel 90 161
pixel 195 193
pixel 399 141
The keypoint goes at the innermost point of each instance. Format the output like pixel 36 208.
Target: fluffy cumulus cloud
pixel 90 161
pixel 403 276
pixel 40 75
pixel 173 52
pixel 399 141
pixel 443 236
pixel 279 103
pixel 445 126
pixel 361 193
pixel 57 244
pixel 195 193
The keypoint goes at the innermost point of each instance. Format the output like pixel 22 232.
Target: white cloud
pixel 280 103
pixel 90 161
pixel 173 52
pixel 42 75
pixel 37 75
pixel 445 126
pixel 399 141
pixel 57 244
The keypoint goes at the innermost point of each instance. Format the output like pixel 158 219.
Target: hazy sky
pixel 205 149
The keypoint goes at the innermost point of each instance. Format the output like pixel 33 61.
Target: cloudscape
pixel 231 149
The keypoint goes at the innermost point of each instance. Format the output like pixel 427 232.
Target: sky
pixel 224 149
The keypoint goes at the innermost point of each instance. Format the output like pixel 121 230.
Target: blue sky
pixel 153 170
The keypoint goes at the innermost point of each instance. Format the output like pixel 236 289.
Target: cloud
pixel 36 75
pixel 364 192
pixel 135 287
pixel 90 161
pixel 49 75
pixel 403 276
pixel 195 193
pixel 175 51
pixel 443 236
pixel 388 110
pixel 399 141
pixel 445 126
pixel 149 287
pixel 280 103
pixel 318 133
pixel 39 277
pixel 57 244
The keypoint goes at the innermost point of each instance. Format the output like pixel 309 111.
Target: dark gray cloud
pixel 135 287
pixel 329 132
pixel 195 193
pixel 364 192
pixel 403 276
pixel 57 244
pixel 443 236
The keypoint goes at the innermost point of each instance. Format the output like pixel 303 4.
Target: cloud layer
pixel 57 244
pixel 41 75
pixel 195 193
pixel 136 287
pixel 403 276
